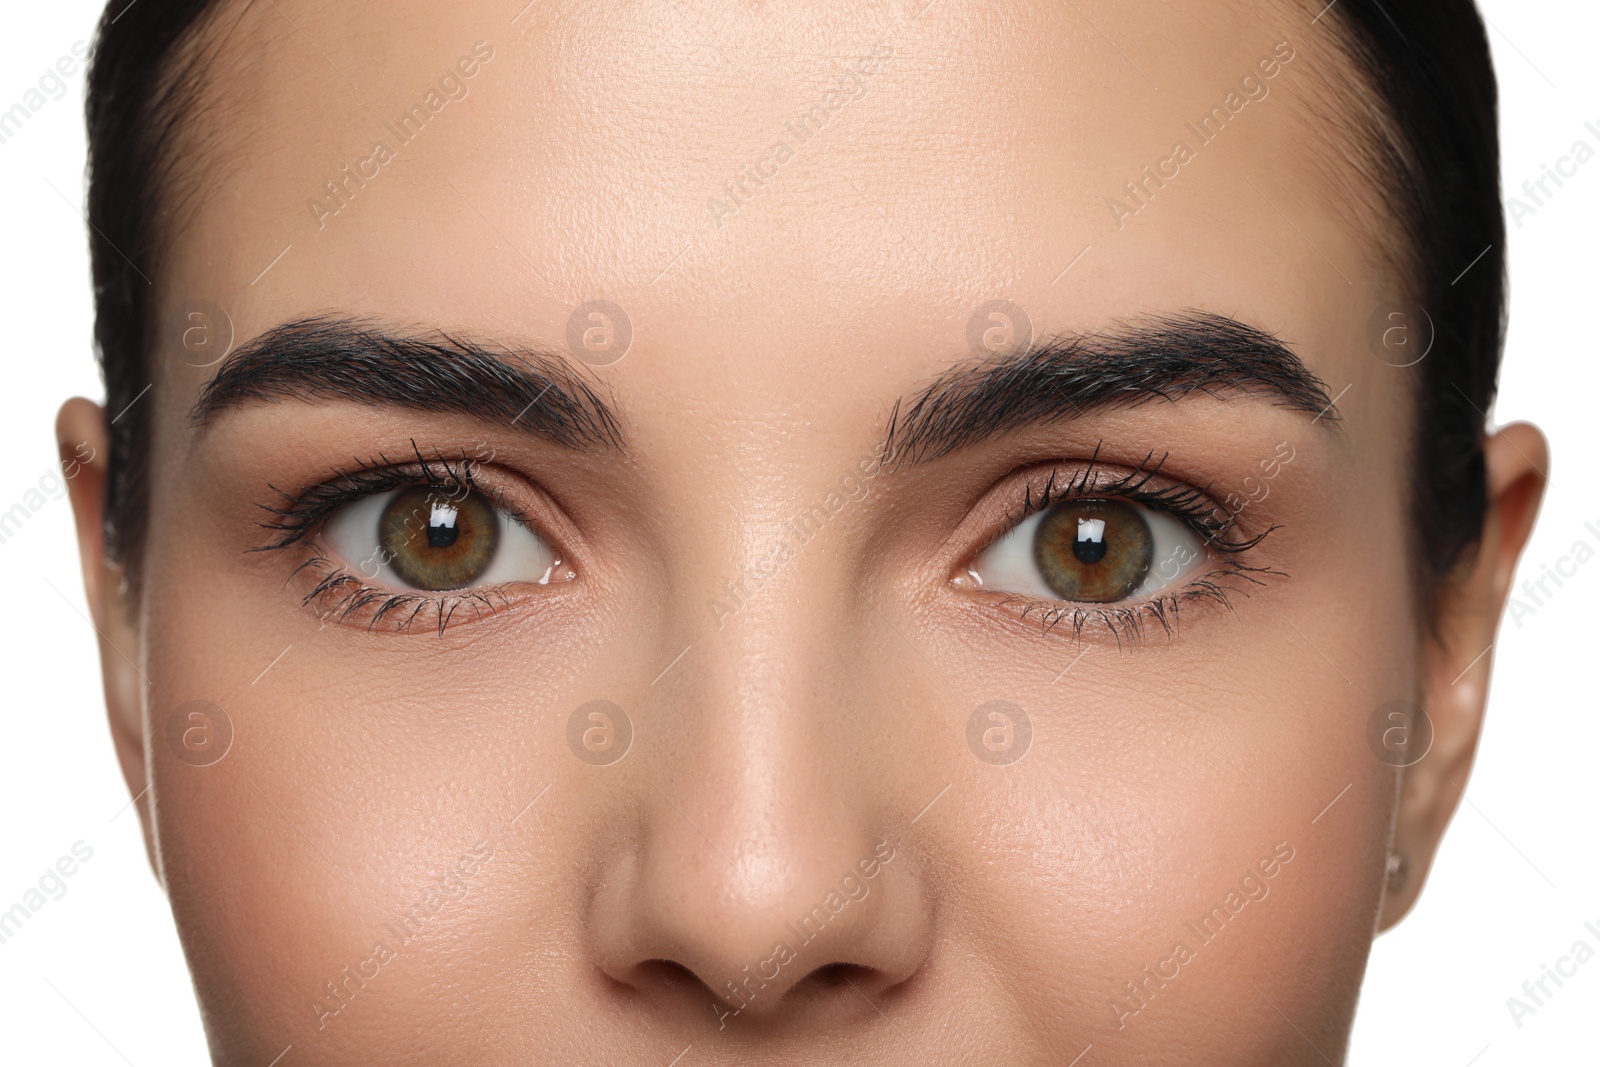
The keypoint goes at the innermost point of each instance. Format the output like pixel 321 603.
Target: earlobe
pixel 83 444
pixel 1457 662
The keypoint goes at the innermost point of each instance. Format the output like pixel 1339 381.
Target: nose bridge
pixel 765 856
pixel 765 595
pixel 773 699
pixel 767 761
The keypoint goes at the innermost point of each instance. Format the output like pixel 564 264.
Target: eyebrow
pixel 1066 377
pixel 328 358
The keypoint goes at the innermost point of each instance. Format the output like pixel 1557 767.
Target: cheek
pixel 307 863
pixel 1159 777
pixel 1122 848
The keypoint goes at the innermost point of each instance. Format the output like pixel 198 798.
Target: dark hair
pixel 134 103
pixel 1433 155
pixel 1438 162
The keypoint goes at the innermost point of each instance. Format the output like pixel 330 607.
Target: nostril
pixel 666 974
pixel 833 975
pixel 674 981
pixel 833 983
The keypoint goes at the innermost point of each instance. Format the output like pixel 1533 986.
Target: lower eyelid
pixel 379 606
pixel 1129 621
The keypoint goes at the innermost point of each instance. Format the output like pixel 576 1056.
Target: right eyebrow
pixel 1167 357
pixel 325 358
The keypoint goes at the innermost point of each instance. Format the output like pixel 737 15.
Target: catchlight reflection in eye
pixel 1091 551
pixel 437 538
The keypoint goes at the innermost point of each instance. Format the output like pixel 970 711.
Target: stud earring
pixel 1397 871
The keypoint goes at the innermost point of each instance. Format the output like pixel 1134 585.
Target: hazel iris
pixel 1093 551
pixel 437 538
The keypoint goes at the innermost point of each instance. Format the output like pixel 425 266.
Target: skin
pixel 776 749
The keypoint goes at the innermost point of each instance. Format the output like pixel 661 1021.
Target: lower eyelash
pixel 1128 623
pixel 342 596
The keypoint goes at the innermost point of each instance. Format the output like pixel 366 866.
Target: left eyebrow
pixel 1067 377
pixel 327 358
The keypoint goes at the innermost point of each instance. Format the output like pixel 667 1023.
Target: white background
pixel 97 977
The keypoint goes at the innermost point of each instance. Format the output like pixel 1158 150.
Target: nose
pixel 769 877
pixel 763 931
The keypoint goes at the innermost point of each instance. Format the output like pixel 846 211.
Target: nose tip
pixel 766 934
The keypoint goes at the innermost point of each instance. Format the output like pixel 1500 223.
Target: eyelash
pixel 1192 506
pixel 303 515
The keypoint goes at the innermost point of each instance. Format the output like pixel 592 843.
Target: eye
pixel 437 538
pixel 1091 551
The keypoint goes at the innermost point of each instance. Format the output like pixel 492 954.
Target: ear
pixel 1455 681
pixel 83 441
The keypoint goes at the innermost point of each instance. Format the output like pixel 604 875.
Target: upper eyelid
pixel 302 517
pixel 1091 478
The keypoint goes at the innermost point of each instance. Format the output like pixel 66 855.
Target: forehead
pixel 785 199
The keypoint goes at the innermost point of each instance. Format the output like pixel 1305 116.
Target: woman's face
pixel 754 732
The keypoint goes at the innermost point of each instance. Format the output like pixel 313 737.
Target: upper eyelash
pixel 1184 502
pixel 303 514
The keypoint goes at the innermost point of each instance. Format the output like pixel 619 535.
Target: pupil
pixel 442 528
pixel 1090 546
